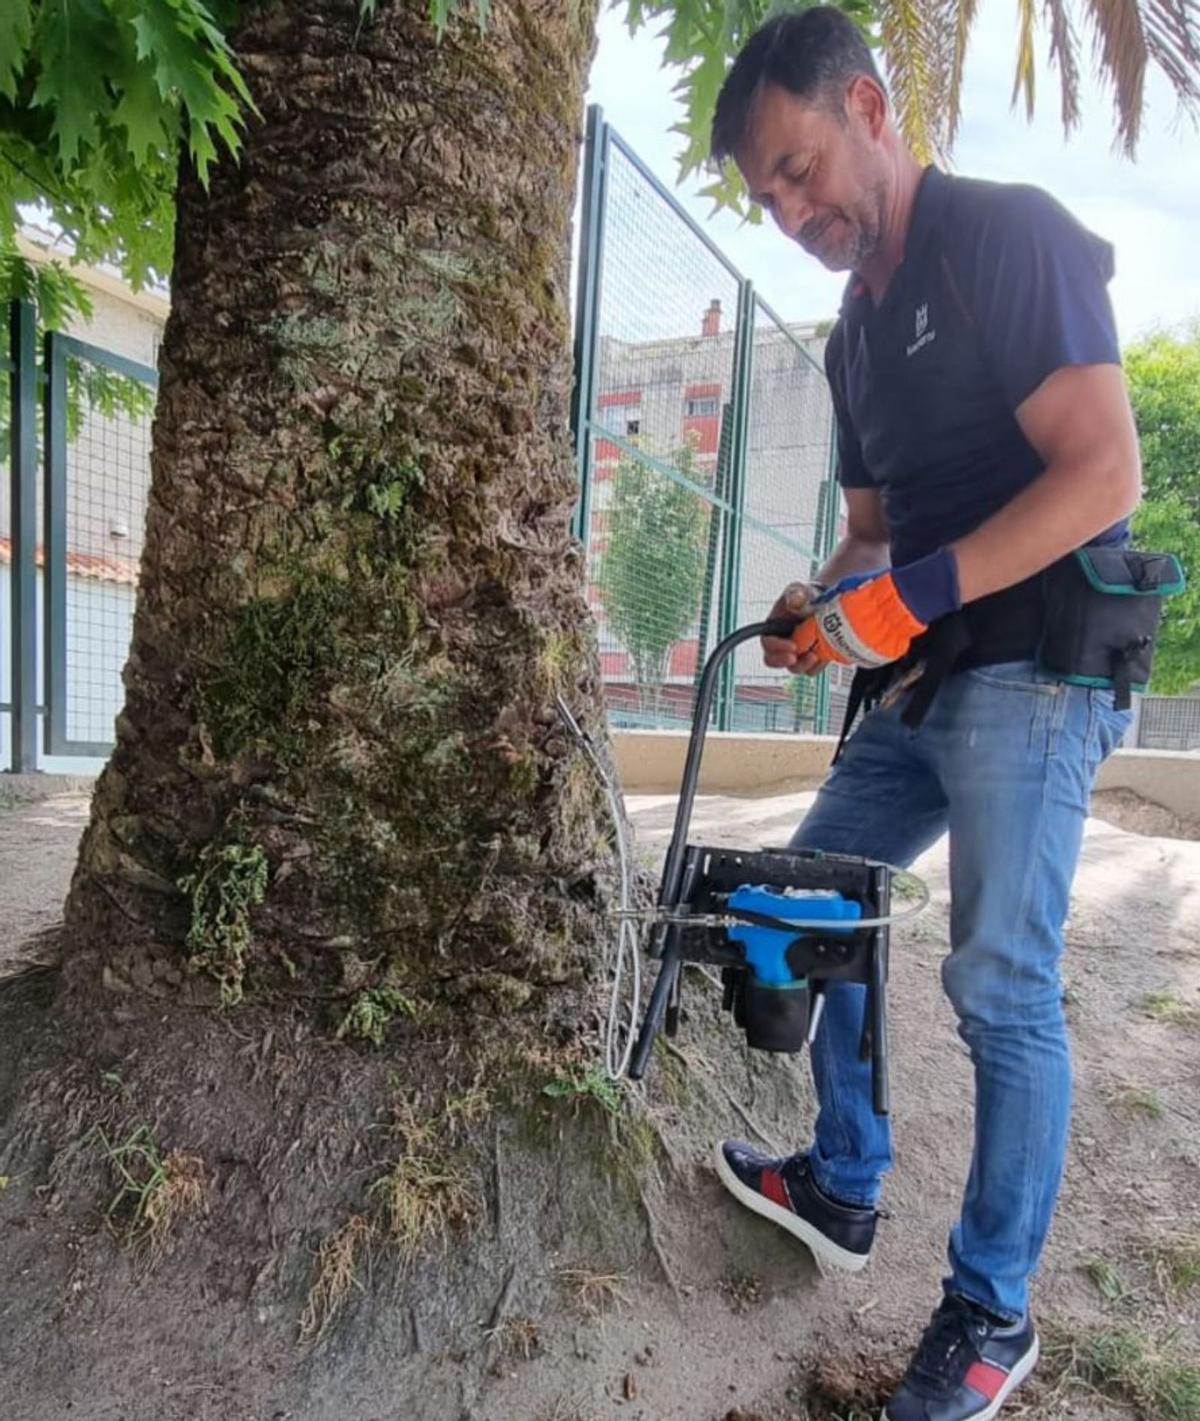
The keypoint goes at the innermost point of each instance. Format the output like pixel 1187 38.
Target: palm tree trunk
pixel 359 595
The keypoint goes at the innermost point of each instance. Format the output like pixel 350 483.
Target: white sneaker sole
pixel 827 1253
pixel 1015 1378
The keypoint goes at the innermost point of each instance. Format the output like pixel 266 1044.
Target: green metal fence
pixel 76 422
pixel 703 433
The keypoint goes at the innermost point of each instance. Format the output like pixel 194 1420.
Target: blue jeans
pixel 1005 761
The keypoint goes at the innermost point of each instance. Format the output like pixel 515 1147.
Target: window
pixel 699 409
pixel 615 418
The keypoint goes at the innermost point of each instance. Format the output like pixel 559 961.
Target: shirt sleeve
pixel 851 467
pixel 1039 291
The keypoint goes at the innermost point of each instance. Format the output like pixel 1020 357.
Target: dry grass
pixel 515 1339
pixel 337 1272
pixel 1175 1262
pixel 422 1198
pixel 424 1194
pixel 180 1192
pixel 154 1191
pixel 593 1294
pixel 469 1107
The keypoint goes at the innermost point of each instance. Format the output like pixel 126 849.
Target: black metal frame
pixel 696 878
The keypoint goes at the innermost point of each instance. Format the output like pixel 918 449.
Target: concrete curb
pixel 651 762
pixel 42 786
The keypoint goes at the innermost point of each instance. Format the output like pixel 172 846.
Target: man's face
pixel 819 174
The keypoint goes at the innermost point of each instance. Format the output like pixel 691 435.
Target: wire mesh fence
pixel 1168 723
pixel 107 481
pixel 704 436
pixel 662 378
pixel 788 503
pixel 86 475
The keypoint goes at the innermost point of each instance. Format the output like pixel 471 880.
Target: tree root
pixel 656 1245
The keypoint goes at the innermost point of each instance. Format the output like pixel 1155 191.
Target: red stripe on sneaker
pixel 986 1379
pixel 771 1185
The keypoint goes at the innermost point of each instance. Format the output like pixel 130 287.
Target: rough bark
pixel 359 595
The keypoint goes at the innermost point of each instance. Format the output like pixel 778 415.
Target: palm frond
pixel 913 39
pixel 963 12
pixel 1064 55
pixel 1172 29
pixel 1121 52
pixel 1023 79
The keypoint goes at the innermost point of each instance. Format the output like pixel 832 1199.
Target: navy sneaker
pixel 784 1191
pixel 966 1367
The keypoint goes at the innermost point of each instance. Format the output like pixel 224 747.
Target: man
pixel 984 432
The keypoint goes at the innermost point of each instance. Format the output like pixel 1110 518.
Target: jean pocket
pixel 1108 726
pixel 1014 676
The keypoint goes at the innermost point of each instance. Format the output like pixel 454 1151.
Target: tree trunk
pixel 359 596
pixel 340 774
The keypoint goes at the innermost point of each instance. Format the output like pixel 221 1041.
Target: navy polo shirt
pixel 999 287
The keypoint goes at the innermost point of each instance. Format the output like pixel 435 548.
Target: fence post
pixel 731 552
pixel 587 308
pixel 826 541
pixel 717 523
pixel 54 546
pixel 22 330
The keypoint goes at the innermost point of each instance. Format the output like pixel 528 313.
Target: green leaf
pixel 72 46
pixel 192 63
pixel 149 123
pixel 16 32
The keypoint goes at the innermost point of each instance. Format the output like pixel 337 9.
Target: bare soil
pixel 707 1313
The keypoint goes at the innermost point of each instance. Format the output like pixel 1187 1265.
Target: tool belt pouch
pixel 1102 612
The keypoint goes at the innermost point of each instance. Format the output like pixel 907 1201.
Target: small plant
pixel 1138 1100
pixel 1129 1367
pixel 1107 1279
pixel 387 498
pixel 337 1272
pixel 154 1190
pixel 581 1084
pixel 1176 1264
pixel 229 881
pixel 1168 1006
pixel 368 1015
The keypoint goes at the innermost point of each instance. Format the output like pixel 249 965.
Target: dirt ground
pixel 746 1319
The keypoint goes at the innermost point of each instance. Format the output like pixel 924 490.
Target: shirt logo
pixel 922 334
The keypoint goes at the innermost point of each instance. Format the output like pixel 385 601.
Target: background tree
pixel 1164 386
pixel 652 570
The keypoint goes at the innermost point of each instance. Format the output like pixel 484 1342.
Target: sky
pixel 1149 208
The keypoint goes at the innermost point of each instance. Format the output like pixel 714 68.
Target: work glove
pixel 871 619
